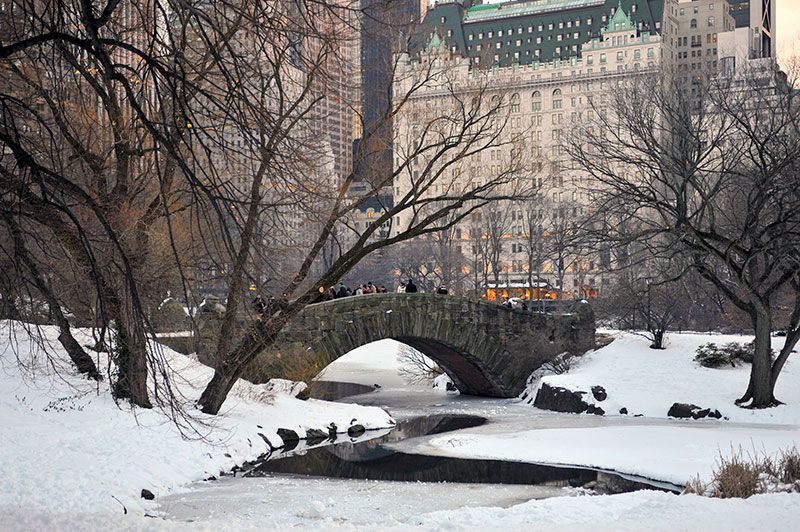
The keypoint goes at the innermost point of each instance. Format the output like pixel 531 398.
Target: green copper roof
pixel 620 21
pixel 517 9
pixel 529 31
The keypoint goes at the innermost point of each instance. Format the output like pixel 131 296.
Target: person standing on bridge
pixel 402 288
pixel 411 287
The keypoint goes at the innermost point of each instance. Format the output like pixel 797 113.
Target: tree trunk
pixel 260 336
pixel 130 355
pixel 761 386
pixel 658 338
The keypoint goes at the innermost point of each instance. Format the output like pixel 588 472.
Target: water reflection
pixel 372 460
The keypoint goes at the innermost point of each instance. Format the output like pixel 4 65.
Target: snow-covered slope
pixel 66 446
pixel 648 381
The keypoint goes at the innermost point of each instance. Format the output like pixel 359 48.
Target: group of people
pixel 267 306
pixel 410 288
pixel 343 291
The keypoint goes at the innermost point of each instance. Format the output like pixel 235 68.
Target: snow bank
pixel 674 454
pixel 643 510
pixel 648 381
pixel 65 447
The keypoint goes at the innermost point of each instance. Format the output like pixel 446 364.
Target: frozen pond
pixel 394 475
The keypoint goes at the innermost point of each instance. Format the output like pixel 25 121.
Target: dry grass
pixel 736 477
pixel 744 475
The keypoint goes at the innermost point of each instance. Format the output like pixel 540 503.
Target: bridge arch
pixel 485 348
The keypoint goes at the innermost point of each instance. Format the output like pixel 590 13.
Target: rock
pixel 686 410
pixel 316 436
pixel 147 495
pixel 210 479
pixel 355 431
pixel 599 393
pixel 682 410
pixel 290 439
pixel 623 411
pixel 596 410
pixel 332 430
pixel 560 399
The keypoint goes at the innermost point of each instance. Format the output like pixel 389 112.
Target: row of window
pixel 539 28
pixel 695 9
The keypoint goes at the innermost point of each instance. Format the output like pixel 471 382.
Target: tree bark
pixel 130 354
pixel 761 385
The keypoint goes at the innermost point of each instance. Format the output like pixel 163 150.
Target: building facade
pixel 546 102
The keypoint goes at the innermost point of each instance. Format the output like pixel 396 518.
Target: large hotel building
pixel 554 61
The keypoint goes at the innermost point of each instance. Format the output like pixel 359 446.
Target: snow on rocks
pixel 65 446
pixel 444 383
pixel 648 381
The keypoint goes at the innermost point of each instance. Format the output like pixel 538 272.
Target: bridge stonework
pixel 485 348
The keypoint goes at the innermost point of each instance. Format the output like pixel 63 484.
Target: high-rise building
pixel 691 34
pixel 755 26
pixel 385 27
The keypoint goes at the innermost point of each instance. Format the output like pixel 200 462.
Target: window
pixel 711 21
pixel 536 101
pixel 469 37
pixel 619 56
pixel 515 102
pixel 602 58
pixel 693 23
pixel 557 99
pixel 589 60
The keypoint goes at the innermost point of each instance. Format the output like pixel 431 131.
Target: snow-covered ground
pixel 66 449
pixel 647 381
pixel 65 446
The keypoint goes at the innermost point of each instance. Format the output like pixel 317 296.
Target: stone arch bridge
pixel 487 349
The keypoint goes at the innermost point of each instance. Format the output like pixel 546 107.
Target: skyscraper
pixel 384 29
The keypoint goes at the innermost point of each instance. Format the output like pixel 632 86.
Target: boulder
pixel 560 399
pixel 290 439
pixel 599 393
pixel 148 495
pixel 316 436
pixel 687 410
pixel 623 411
pixel 355 431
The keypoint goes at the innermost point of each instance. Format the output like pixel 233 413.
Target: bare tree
pixel 714 183
pixel 416 367
pixel 210 114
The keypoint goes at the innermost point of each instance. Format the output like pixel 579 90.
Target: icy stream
pixel 396 475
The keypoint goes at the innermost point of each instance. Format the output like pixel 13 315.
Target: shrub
pixel 710 355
